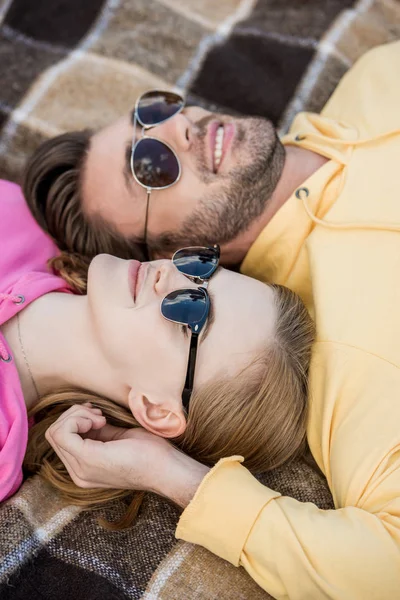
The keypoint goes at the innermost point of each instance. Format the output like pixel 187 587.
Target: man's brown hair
pixel 53 190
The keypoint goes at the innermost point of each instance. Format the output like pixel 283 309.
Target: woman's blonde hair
pixel 259 414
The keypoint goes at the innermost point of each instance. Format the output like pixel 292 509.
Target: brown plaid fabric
pixel 56 552
pixel 71 64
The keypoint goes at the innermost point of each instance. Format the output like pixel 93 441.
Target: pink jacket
pixel 24 277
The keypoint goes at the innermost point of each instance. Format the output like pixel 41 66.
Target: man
pixel 81 189
pixel 328 227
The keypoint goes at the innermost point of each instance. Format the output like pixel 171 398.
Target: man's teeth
pixel 219 142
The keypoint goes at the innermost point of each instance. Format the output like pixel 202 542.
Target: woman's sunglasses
pixel 191 306
pixel 154 164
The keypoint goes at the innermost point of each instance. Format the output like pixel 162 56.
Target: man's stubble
pixel 222 216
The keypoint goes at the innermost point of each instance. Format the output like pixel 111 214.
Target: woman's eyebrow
pixel 204 333
pixel 209 322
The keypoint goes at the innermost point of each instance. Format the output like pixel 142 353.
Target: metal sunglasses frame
pixel 195 327
pixel 146 127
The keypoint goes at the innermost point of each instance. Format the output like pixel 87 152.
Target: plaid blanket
pixel 68 64
pixel 49 550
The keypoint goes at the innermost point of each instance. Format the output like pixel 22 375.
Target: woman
pixel 113 346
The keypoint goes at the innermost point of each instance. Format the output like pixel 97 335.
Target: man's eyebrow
pixel 127 171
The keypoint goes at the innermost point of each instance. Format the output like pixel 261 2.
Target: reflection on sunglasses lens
pixel 154 164
pixel 155 107
pixel 196 262
pixel 184 306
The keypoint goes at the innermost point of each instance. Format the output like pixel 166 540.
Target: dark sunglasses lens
pixel 155 107
pixel 154 164
pixel 197 261
pixel 185 306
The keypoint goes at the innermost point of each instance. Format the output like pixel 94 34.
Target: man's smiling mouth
pixel 219 142
pixel 221 138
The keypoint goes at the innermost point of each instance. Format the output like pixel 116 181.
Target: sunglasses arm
pixel 146 219
pixel 187 390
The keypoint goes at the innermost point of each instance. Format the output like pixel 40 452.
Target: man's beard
pixel 243 195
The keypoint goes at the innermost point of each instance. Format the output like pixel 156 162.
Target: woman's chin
pixel 108 282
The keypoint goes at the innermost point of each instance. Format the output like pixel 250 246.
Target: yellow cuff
pixel 224 509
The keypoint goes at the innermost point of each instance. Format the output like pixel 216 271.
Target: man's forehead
pixel 106 154
pixel 107 190
pixel 122 124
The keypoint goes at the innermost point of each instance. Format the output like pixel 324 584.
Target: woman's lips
pixel 141 276
pixel 133 276
pixel 136 276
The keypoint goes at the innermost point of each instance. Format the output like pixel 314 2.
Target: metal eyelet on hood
pixel 4 354
pixel 300 191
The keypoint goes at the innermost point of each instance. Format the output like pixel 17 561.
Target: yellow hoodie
pixel 336 242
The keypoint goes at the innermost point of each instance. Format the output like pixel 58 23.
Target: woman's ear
pixel 162 417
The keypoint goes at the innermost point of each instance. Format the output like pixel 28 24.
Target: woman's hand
pixel 98 455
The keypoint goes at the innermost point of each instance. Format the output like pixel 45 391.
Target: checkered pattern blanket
pixel 56 552
pixel 69 64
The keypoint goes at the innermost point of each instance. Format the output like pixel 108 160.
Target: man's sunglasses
pixel 154 164
pixel 191 306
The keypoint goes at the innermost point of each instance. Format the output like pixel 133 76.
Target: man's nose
pixel 177 132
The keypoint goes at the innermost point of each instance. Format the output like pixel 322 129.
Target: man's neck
pixel 299 165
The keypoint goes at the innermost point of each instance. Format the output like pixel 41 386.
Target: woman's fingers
pixel 77 419
pixel 64 435
pixel 99 455
pixel 107 433
pixel 77 409
pixel 90 405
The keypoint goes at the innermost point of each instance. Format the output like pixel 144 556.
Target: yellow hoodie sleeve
pixel 294 550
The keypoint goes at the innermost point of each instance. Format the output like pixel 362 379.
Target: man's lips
pixel 229 133
pixel 136 275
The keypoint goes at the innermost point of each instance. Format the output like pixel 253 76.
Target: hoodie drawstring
pixel 303 193
pixel 17 299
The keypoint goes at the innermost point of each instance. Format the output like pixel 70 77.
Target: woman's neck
pixel 54 346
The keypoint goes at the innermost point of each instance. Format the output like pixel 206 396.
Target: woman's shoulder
pixel 12 202
pixel 24 247
pixel 9 188
pixel 11 195
pixel 14 212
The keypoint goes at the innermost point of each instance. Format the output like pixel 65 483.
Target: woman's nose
pixel 168 278
pixel 177 132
